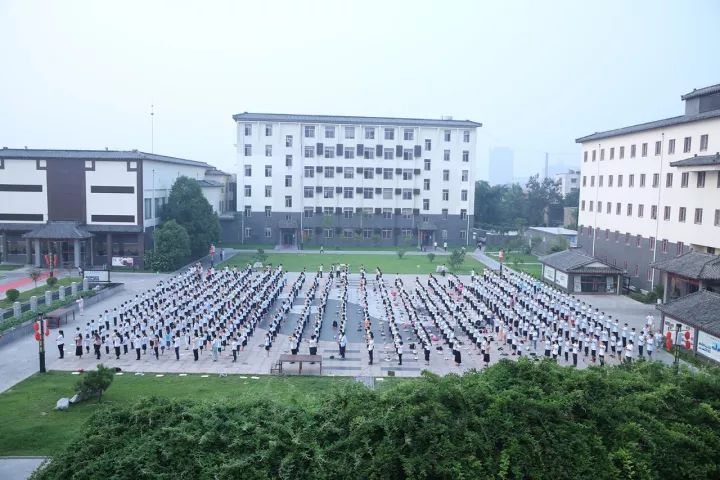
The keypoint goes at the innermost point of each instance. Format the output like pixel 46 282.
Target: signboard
pixel 549 273
pixel 686 336
pixel 97 275
pixel 561 279
pixel 709 345
pixel 123 261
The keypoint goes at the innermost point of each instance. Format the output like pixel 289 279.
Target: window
pixel 407 154
pixel 248 170
pixel 268 211
pixel 268 171
pixel 632 151
pixel 348 192
pixel 629 209
pixel 642 180
pixel 248 232
pixel 248 191
pixel 464 176
pixel 389 133
pixel 446 195
pixel 426 184
pixel 348 172
pixel 427 164
pixel 349 132
pixel 444 213
pixel 465 156
pixel 610 180
pixel 446 135
pixel 671 146
pixel 288 140
pixel 644 150
pixel 594 155
pixel 687 144
pixel 620 181
pixel 679 248
pixel 622 152
pixel 664 246
pixel 681 214
pixel 349 152
pixel 446 155
pixel 329 132
pixel 446 175
pixel 368 174
pixel 370 133
pixel 268 150
pixel 268 129
pixel 328 232
pixel 268 232
pixel 591 205
pixel 631 180
pixel 329 152
pixel 367 233
pixel 428 144
pixel 407 174
pixel 602 154
pixel 328 211
pixel 388 154
pixel 148 208
pixel 666 213
pixel 463 214
pixel 309 152
pixel 653 212
pixel 703 142
pixel 407 193
pixel 618 208
pixel 387 212
pixel 368 193
pixel 309 131
pixel 641 210
pixel 408 134
pixel 700 179
pixel 309 172
pixel 406 232
pixel 386 233
pixel 308 212
pixel 612 153
pixel 582 205
pixel 649 275
pixel 328 192
pixel 347 212
pixel 248 211
pixel 288 160
pixel 658 147
pixel 268 191
pixel 466 136
pixel 585 156
pixel 387 193
pixel 387 173
pixel 444 234
pixel 609 208
pixel 248 129
pixel 463 195
pixel 600 181
pixel 698 216
pixel 369 153
pixel 584 181
pixel 288 178
pixel 651 243
pixel 668 180
pixel 288 201
pixel 684 179
pixel 717 217
pixel 329 172
pixel 426 204
pixel 247 150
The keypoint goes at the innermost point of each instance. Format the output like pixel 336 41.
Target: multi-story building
pixel 650 192
pixel 89 207
pixel 336 180
pixel 567 182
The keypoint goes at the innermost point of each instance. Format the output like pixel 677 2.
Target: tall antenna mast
pixel 152 128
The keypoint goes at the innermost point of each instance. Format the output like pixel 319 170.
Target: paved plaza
pixel 20 357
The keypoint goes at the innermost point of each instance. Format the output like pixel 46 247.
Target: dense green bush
pixel 51 281
pixel 94 382
pixel 515 420
pixel 12 294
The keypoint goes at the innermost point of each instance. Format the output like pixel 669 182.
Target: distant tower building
pixel 501 166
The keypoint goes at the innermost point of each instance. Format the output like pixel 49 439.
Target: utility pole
pixel 41 343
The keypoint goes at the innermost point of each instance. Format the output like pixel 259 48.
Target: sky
pixel 537 75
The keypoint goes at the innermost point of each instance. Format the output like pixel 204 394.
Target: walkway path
pixel 22 283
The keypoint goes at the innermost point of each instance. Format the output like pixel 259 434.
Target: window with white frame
pixel 367 193
pixel 464 176
pixel 463 195
pixel 248 210
pixel 426 204
pixel 406 232
pixel 408 134
pixel 428 144
pixel 247 150
pixel 328 211
pixel 407 193
pixel 348 212
pixel 446 175
pixel 370 133
pixel 288 180
pixel 368 174
pixel 309 172
pixel 328 192
pixel 248 190
pixel 288 140
pixel 426 184
pixel 348 233
pixel 387 212
pixel 329 172
pixel 308 212
pixel 463 214
pixel 446 135
pixel 408 154
pixel 369 153
pixel 407 174
pixel 349 132
pixel 349 172
pixel 248 170
pixel 309 131
pixel 406 213
pixel 248 232
pixel 446 155
pixel 386 233
pixel 328 232
pixel 387 193
pixel 703 142
pixel 387 173
pixel 268 232
pixel 444 214
pixel 268 171
pixel 687 144
pixel 288 201
pixel 288 160
pixel 329 131
pixel 309 152
pixel 465 156
pixel 463 234
pixel 443 234
pixel 268 129
pixel 388 154
pixel 268 211
pixel 248 129
pixel 329 152
pixel 348 192
pixel 446 195
pixel 389 133
pixel 426 163
pixel 148 208
pixel 466 136
pixel 349 152
pixel 268 150
pixel 268 191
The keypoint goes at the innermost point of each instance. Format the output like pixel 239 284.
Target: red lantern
pixel 47 332
pixel 37 336
pixel 36 326
pixel 668 340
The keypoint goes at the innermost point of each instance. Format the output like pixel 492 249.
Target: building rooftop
pixel 698 161
pixel 58 231
pixel 699 310
pixel 701 92
pixel 352 120
pixel 702 266
pixel 208 183
pixel 576 262
pixel 48 154
pixel 555 230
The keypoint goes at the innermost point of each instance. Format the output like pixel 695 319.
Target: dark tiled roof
pixel 703 266
pixel 699 309
pixel 208 183
pixel 46 154
pixel 698 161
pixel 667 122
pixel 351 120
pixel 573 260
pixel 18 227
pixel 699 92
pixel 58 231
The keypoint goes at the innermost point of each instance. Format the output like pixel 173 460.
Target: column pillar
pixel 28 252
pixel 108 249
pixel 666 286
pixel 36 244
pixel 77 252
pixel 141 251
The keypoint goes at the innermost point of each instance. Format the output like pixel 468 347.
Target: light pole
pixel 40 337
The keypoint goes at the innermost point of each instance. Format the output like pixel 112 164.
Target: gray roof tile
pixel 698 265
pixel 47 154
pixel 58 231
pixel 698 161
pixel 352 120
pixel 699 92
pixel 699 310
pixel 573 260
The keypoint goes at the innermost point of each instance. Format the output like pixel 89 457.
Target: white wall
pixel 111 173
pixel 24 172
pixel 158 179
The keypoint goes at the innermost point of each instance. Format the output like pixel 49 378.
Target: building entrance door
pixel 288 238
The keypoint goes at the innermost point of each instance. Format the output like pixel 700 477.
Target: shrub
pixel 95 382
pixel 431 257
pixel 51 282
pixel 12 294
pixel 457 257
pixel 401 253
pixel 261 256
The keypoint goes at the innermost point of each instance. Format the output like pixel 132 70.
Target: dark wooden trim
pixel 2 163
pixel 9 187
pixel 25 217
pixel 40 167
pixel 113 218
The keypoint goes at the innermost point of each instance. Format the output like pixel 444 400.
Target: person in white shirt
pixel 629 352
pixel 650 346
pixel 400 351
pixel 342 343
pixel 370 347
pixel 60 341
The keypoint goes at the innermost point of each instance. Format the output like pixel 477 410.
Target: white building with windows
pixel 341 180
pixel 567 182
pixel 650 192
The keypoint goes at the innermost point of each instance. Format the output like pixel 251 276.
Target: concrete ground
pixel 18 468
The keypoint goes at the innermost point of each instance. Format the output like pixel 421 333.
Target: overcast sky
pixel 537 74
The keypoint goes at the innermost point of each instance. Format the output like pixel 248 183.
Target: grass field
pixel 29 425
pixel 295 262
pixel 7 266
pixel 40 290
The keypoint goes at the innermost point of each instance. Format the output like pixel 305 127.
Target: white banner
pixel 709 345
pixel 122 261
pixel 549 273
pixel 561 279
pixel 97 275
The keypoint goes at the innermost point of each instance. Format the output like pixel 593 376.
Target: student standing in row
pixel 342 343
pixel 370 347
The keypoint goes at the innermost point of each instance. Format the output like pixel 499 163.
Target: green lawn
pixel 7 266
pixel 40 290
pixel 29 425
pixel 533 269
pixel 295 262
pixel 246 246
pixel 511 256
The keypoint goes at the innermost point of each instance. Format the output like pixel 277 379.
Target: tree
pixel 431 257
pixel 12 294
pixel 572 199
pixel 34 274
pixel 457 257
pixel 401 252
pixel 540 195
pixel 172 247
pixel 559 245
pixel 261 256
pixel 189 208
pixel 95 382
